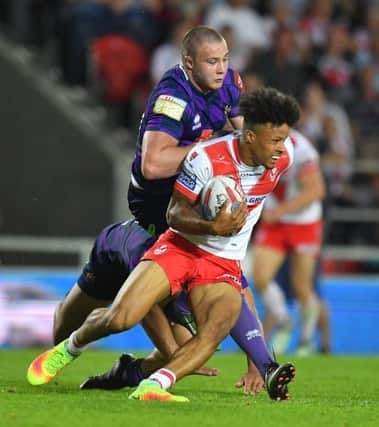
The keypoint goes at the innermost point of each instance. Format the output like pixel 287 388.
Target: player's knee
pixel 260 281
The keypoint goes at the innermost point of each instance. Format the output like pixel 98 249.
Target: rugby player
pixel 201 256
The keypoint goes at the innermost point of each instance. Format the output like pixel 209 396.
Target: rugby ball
pixel 216 192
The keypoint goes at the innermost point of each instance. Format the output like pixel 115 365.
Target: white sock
pixel 309 314
pixel 275 301
pixel 72 347
pixel 164 377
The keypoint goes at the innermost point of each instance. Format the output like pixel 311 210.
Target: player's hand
pixel 208 372
pixel 252 383
pixel 229 223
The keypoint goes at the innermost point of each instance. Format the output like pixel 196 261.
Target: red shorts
pixel 299 238
pixel 187 266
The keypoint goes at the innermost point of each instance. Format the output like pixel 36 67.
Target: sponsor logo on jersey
pixel 170 106
pixel 196 122
pixel 160 250
pixel 245 174
pixel 253 200
pixel 187 180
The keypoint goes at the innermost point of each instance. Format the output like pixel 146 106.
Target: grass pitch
pixel 328 391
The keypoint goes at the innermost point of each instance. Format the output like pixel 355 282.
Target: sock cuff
pixel 164 377
pixel 71 346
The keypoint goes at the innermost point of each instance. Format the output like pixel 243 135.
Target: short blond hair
pixel 196 36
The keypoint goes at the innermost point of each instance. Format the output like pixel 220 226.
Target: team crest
pixel 193 155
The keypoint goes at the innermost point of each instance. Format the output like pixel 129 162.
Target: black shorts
pixel 101 282
pixel 149 209
pixel 115 253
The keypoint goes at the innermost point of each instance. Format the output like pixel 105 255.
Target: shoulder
pixel 172 94
pixel 303 147
pixel 174 82
pixel 233 80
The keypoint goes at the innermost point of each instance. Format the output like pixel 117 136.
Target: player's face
pixel 208 68
pixel 265 144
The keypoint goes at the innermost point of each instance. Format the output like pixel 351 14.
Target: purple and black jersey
pixel 116 251
pixel 179 109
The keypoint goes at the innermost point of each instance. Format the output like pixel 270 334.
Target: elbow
pixel 151 171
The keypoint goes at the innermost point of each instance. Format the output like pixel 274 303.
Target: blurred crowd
pixel 325 52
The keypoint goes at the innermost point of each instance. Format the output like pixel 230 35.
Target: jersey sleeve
pixel 308 158
pixel 168 113
pixel 196 171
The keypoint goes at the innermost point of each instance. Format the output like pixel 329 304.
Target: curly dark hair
pixel 268 105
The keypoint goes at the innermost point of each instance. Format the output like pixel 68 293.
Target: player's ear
pixel 249 135
pixel 188 63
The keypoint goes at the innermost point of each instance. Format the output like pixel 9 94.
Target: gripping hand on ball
pixel 229 222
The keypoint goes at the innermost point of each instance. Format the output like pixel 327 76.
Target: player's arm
pixel 182 216
pixel 236 122
pixel 312 188
pixel 252 381
pixel 161 155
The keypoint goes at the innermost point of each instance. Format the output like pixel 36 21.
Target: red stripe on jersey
pixel 310 166
pixel 221 159
pixel 184 190
pixel 280 191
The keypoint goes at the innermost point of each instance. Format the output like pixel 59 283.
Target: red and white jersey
pixel 306 159
pixel 220 156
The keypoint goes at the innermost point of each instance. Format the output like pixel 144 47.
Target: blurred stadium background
pixel 74 76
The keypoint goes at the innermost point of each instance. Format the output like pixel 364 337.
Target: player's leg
pixel 323 320
pixel 324 328
pixel 266 263
pixel 73 311
pixel 248 334
pixel 146 285
pixel 129 373
pixel 302 273
pixel 279 291
pixel 216 308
